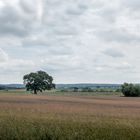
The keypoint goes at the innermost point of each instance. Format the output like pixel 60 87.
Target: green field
pixel 66 116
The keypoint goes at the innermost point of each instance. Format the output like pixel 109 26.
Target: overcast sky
pixel 75 41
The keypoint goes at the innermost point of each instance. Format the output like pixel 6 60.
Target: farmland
pixel 68 116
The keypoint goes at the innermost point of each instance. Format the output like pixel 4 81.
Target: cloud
pixel 32 7
pixel 11 22
pixel 113 53
pixel 76 10
pixel 3 56
pixel 92 41
pixel 132 5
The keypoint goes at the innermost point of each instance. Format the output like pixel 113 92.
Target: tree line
pixel 40 81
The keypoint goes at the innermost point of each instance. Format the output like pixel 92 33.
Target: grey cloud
pixel 131 4
pixel 76 10
pixel 114 53
pixel 28 6
pixel 11 22
pixel 16 21
pixel 117 35
pixel 108 14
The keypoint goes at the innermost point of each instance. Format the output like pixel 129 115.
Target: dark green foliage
pixel 130 90
pixel 118 90
pixel 2 88
pixel 38 81
pixel 75 89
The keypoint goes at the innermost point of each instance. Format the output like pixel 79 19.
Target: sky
pixel 75 41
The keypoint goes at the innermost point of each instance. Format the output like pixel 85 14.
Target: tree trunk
pixel 35 91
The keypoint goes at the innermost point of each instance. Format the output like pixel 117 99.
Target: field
pixel 63 116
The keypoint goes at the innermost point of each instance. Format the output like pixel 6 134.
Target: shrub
pixel 118 90
pixel 130 90
pixel 75 89
pixel 87 89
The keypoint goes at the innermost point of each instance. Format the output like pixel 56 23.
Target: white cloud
pixel 3 56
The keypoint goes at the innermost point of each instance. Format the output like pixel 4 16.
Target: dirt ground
pixel 72 105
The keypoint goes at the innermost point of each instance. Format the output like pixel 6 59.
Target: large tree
pixel 38 81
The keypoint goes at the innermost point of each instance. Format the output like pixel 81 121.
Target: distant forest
pixel 67 86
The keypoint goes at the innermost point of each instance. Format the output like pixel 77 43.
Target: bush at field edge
pixel 131 90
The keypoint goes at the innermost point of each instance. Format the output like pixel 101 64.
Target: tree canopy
pixel 38 81
pixel 130 90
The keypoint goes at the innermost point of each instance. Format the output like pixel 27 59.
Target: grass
pixel 17 91
pixel 48 129
pixel 58 93
pixel 43 117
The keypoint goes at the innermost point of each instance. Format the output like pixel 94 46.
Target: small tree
pixel 38 81
pixel 75 89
